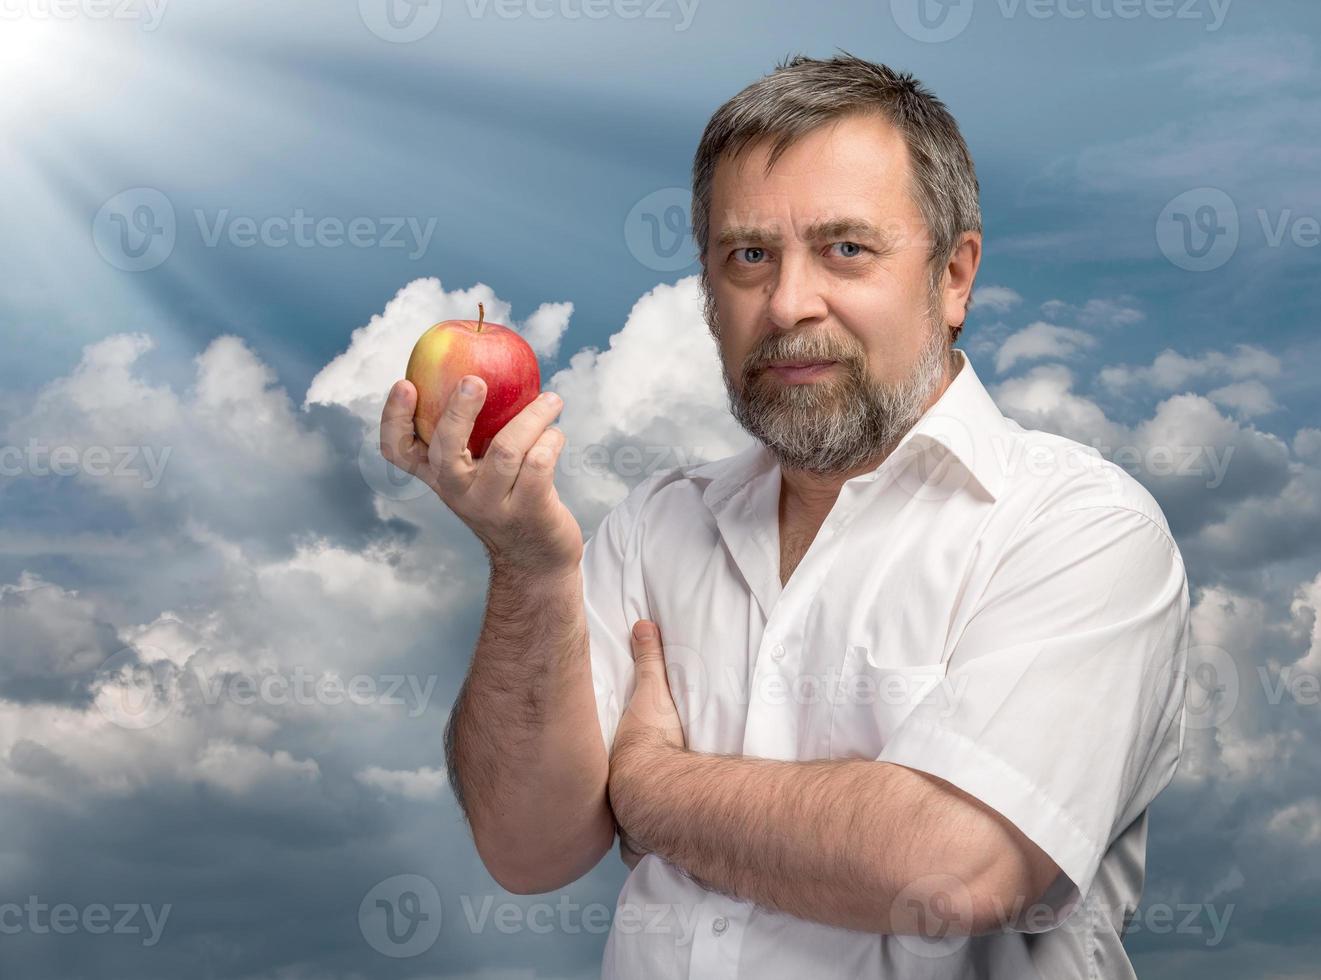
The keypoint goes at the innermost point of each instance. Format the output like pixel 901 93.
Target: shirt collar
pixel 964 421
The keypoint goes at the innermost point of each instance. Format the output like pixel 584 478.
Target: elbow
pixel 546 867
pixel 988 897
pixel 1008 892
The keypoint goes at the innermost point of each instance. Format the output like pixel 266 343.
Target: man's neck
pixel 804 492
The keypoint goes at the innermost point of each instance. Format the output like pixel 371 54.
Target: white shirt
pixel 998 606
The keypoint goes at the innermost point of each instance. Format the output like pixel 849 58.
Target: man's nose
pixel 796 295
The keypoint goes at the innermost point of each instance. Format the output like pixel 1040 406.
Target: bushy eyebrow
pixel 832 229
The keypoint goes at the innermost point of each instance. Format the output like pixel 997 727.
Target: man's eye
pixel 752 256
pixel 850 245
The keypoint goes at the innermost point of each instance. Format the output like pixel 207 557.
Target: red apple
pixel 454 348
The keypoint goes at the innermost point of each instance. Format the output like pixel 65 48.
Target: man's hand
pixel 650 723
pixel 508 497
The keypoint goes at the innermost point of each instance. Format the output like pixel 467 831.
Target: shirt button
pixel 777 652
pixel 719 925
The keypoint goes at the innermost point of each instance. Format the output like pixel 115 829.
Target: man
pixel 918 674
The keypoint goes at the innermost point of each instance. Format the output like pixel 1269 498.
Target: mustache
pixel 765 356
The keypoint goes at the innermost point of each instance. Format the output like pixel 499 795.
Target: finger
pixel 647 652
pixel 649 664
pixel 399 442
pixel 499 465
pixel 448 453
pixel 537 474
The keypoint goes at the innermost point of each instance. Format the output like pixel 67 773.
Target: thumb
pixel 648 658
pixel 646 641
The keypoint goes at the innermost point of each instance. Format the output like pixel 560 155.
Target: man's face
pixel 826 259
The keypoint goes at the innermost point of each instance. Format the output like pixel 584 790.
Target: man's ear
pixel 960 274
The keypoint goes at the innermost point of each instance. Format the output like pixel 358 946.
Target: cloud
pixel 1307 444
pixel 52 638
pixel 654 399
pixel 997 299
pixel 1247 398
pixel 1249 65
pixel 244 769
pixel 426 783
pixel 1203 467
pixel 231 452
pixel 1172 371
pixel 1038 340
pixel 1096 312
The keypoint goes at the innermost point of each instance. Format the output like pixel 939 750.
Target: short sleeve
pixel 613 602
pixel 1063 706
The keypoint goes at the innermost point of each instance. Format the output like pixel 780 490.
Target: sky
pixel 224 224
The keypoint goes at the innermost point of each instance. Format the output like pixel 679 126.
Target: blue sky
pixel 515 153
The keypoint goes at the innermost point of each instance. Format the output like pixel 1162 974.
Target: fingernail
pixel 644 630
pixel 468 387
pixel 551 398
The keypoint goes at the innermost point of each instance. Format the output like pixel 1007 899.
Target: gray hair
pixel 803 93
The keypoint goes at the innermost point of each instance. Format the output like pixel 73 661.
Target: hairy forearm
pixel 523 745
pixel 853 843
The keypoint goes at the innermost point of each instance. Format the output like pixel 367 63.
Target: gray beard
pixel 837 425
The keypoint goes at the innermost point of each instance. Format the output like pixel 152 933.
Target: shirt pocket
pixel 872 698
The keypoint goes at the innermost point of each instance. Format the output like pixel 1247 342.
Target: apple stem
pixel 481 315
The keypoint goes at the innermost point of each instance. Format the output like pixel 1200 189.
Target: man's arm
pixel 1069 725
pixel 854 843
pixel 523 746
